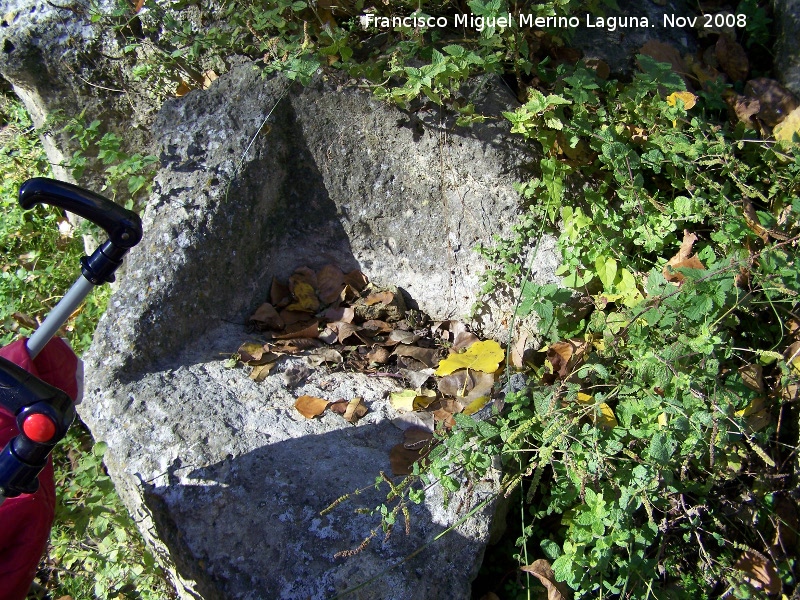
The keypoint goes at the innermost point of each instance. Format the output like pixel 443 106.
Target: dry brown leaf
pixel 307 329
pixel 279 294
pixel 266 316
pixel 398 336
pixel 743 107
pixel 683 259
pixel 344 314
pixel 319 356
pixel 311 406
pixel 732 58
pixel 356 279
pixel 290 317
pixel 330 283
pixel 260 372
pixel 377 327
pixel 429 357
pixel 416 438
pixel 347 330
pixel 355 410
pixel 378 355
pixel 250 351
pixel 304 275
pixel 402 459
pixel 759 572
pixel 382 297
pixel 464 340
pixel 542 570
pixel 564 357
pixel 518 350
pixel 421 420
pixel 293 346
pixel 182 89
pixel 338 406
pixel 415 377
pixel 466 384
pixel 775 101
pixel 753 377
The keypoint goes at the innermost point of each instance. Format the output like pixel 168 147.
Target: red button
pixel 39 428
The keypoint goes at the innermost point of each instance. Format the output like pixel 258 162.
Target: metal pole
pixel 59 315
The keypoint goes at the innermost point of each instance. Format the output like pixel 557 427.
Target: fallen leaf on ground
pixel 290 317
pixel 266 316
pixel 260 372
pixel 305 298
pixel 404 400
pixel 564 357
pixel 518 350
pixel 732 58
pixel 376 326
pixel 355 410
pixel 279 294
pixel 775 101
pixel 416 438
pixel 345 314
pixel 417 378
pixel 402 459
pixel 753 377
pixel 330 283
pixel 421 420
pixel 464 340
pixel 744 108
pixel 663 52
pixel 338 406
pixel 384 297
pixel 787 129
pixel 476 405
pixel 311 406
pixel 483 356
pixel 309 329
pixel 606 418
pixel 759 572
pixel 466 384
pixel 319 356
pixel 356 279
pixel 250 351
pixel 429 357
pixel 688 99
pixel 682 260
pixel 398 336
pixel 378 355
pixel 542 570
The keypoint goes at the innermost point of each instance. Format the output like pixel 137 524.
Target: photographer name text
pixel 479 22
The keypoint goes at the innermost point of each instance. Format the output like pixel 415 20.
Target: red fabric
pixel 25 521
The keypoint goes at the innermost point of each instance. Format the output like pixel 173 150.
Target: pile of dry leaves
pixel 342 320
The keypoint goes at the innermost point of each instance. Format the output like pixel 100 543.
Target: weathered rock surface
pixel 225 477
pixel 787 55
pixel 59 62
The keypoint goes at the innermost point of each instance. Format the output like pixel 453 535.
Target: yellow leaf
pixel 481 356
pixel 789 127
pixel 662 420
pixel 306 298
pixel 689 99
pixel 475 405
pixel 424 399
pixel 403 400
pixel 606 418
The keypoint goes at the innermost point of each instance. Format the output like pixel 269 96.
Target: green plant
pixel 95 550
pixel 653 418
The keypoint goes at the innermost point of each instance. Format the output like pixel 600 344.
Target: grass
pixel 95 549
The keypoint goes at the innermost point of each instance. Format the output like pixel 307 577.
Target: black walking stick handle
pixel 123 226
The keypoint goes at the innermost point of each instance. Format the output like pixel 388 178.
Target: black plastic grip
pixel 124 227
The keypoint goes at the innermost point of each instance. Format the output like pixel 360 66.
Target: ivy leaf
pixel 483 356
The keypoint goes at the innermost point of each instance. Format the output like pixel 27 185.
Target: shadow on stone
pixel 249 526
